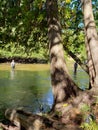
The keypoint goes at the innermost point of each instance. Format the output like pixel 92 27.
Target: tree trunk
pixel 62 85
pixel 91 41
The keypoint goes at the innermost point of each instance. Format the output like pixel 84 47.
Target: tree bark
pixel 63 86
pixel 91 41
pixel 26 120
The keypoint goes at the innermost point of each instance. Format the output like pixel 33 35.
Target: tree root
pixel 29 121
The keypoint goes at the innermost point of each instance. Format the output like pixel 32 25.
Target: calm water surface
pixel 29 86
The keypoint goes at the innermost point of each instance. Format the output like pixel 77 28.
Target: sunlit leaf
pixel 65 105
pixel 68 1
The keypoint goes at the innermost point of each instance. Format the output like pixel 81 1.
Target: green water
pixel 26 89
pixel 30 88
pixel 81 78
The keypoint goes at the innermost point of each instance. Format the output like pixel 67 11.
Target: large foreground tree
pixel 62 85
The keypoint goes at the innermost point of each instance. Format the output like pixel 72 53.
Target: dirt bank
pixel 23 60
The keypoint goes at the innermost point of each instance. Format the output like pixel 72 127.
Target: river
pixel 28 86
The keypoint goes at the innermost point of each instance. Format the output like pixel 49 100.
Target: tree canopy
pixel 23 27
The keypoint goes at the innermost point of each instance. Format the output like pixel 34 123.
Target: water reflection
pixel 81 78
pixel 74 76
pixel 12 74
pixel 24 88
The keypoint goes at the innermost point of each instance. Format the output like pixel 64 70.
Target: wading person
pixel 13 64
pixel 75 67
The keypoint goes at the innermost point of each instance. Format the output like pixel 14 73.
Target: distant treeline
pixel 23 60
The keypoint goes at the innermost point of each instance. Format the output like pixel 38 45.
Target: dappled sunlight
pixel 56 40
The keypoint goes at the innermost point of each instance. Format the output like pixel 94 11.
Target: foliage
pixel 72 23
pixel 91 126
pixel 21 53
pixel 23 27
pixel 89 118
pixel 85 108
pixel 68 1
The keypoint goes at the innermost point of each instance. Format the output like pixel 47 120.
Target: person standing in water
pixel 13 64
pixel 75 67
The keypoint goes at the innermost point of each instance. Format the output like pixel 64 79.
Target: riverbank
pixel 23 60
pixel 22 120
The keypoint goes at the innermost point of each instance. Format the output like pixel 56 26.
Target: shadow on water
pixel 12 73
